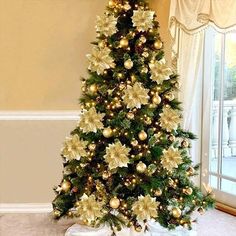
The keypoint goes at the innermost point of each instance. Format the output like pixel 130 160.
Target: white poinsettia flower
pixel 171 159
pixel 145 208
pixel 100 60
pixel 143 19
pixel 117 155
pixel 91 120
pixel 106 25
pixel 135 96
pixel 160 71
pixel 74 148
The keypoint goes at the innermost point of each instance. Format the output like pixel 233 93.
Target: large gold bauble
pixel 156 99
pixel 128 64
pixel 142 135
pixel 158 192
pixel 176 212
pixel 93 88
pixel 107 132
pixel 124 43
pixel 141 167
pixel 158 44
pixel 114 203
pixel 66 185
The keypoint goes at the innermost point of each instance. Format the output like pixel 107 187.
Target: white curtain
pixel 188 22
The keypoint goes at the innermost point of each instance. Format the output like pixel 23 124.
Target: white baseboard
pixel 39 115
pixel 25 207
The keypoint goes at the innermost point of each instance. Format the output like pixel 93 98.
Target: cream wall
pixel 43 44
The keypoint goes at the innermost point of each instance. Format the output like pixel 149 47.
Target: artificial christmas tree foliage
pixel 127 162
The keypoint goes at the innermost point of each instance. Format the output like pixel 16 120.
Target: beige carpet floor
pixel 213 223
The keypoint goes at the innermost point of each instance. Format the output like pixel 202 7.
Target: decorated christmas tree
pixel 128 160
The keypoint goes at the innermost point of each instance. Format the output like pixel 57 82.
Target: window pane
pixel 213 181
pixel 228 186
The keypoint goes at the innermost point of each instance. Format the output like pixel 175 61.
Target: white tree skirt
pixel 154 230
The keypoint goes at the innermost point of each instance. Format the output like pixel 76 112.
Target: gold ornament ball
pixel 134 143
pixel 141 167
pixel 66 185
pixel 170 96
pixel 130 115
pixel 124 43
pixel 114 203
pixel 158 192
pixel 176 212
pixel 92 147
pixel 138 228
pixel 93 88
pixel 188 191
pixel 185 144
pixel 111 3
pixel 190 170
pixel 107 132
pixel 158 44
pixel 128 64
pixel 102 44
pixel 105 175
pixel 142 135
pixel 201 210
pixel 56 213
pixel 156 99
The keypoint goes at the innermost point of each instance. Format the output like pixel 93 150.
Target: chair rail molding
pixel 60 115
pixel 25 207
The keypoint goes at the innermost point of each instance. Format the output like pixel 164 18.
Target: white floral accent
pixel 160 71
pixel 100 60
pixel 91 121
pixel 136 96
pixel 143 19
pixel 106 25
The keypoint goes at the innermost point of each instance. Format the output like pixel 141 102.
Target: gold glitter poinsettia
pixel 160 71
pixel 145 208
pixel 117 155
pixel 91 121
pixel 74 148
pixel 171 158
pixel 89 209
pixel 169 119
pixel 106 25
pixel 136 96
pixel 100 60
pixel 143 20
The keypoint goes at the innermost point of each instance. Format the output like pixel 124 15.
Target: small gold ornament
pixel 111 4
pixel 138 228
pixel 142 135
pixel 158 192
pixel 141 167
pixel 106 175
pixel 66 185
pixel 170 96
pixel 171 138
pixel 201 210
pixel 185 144
pixel 93 88
pixel 92 146
pixel 102 44
pixel 134 143
pixel 107 132
pixel 190 171
pixel 158 44
pixel 114 203
pixel 156 99
pixel 176 212
pixel 188 191
pixel 130 115
pixel 128 64
pixel 56 213
pixel 124 43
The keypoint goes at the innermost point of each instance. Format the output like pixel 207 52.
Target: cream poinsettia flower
pixel 89 209
pixel 160 71
pixel 136 96
pixel 117 155
pixel 100 60
pixel 106 25
pixel 171 159
pixel 74 148
pixel 143 19
pixel 91 120
pixel 169 119
pixel 145 208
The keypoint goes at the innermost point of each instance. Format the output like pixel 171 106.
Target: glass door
pixel 219 115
